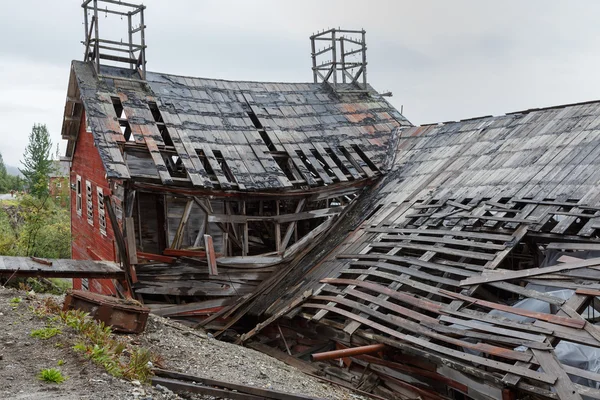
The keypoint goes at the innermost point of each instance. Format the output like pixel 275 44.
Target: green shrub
pixel 15 301
pixel 52 375
pixel 45 333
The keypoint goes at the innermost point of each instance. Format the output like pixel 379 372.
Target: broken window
pixel 101 211
pixel 78 198
pixel 89 203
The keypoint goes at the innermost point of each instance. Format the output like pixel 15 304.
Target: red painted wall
pixel 87 242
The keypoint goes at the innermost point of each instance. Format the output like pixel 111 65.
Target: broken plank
pixel 571 322
pixel 524 273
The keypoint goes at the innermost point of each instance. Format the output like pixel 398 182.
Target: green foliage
pixel 9 182
pixel 52 375
pixel 35 227
pixel 45 333
pixel 37 163
pixel 15 301
pixel 60 363
pixel 97 343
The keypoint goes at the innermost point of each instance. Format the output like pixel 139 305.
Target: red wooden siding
pixel 87 242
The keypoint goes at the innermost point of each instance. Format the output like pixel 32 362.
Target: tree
pixel 36 161
pixel 3 177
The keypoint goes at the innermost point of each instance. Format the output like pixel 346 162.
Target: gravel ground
pixel 182 349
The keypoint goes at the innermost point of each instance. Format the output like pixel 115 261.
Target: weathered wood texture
pixel 59 268
pixel 449 242
pixel 231 134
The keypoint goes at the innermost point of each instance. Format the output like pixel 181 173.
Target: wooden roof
pixel 230 134
pixel 451 237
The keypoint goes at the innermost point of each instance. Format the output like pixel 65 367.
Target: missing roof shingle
pixel 160 123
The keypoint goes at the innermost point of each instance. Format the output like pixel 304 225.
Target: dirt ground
pixel 182 349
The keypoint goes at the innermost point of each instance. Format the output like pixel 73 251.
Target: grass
pixel 52 375
pixel 97 343
pixel 45 333
pixel 15 301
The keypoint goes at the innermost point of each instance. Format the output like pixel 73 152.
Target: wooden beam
pixel 524 273
pixel 178 239
pixel 290 229
pixel 131 246
pixel 210 255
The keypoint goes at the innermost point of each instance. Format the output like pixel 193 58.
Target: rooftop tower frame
pixel 342 60
pixel 130 51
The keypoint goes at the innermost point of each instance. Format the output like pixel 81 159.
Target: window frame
pixel 89 202
pixel 78 197
pixel 101 210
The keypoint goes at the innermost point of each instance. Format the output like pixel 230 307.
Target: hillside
pixel 178 348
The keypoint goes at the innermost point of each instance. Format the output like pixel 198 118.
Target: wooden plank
pixel 306 174
pixel 524 273
pixel 416 272
pixel 320 148
pixel 574 246
pixel 293 304
pixel 537 376
pixel 291 227
pixel 493 329
pixel 156 257
pixel 177 385
pixel 588 292
pixel 178 239
pixel 306 150
pixel 234 387
pixel 215 166
pixel 571 322
pixel 405 298
pixel 442 232
pixel 131 246
pixel 442 240
pixel 60 268
pixel 210 255
pixel 418 329
pixel 565 389
pixel 146 135
pixel 442 250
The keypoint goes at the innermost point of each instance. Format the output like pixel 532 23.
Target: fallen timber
pixel 58 268
pixel 177 381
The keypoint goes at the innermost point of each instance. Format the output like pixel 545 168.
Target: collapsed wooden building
pixel 463 251
pixel 237 176
pixel 473 262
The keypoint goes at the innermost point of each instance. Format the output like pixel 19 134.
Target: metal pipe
pixel 353 351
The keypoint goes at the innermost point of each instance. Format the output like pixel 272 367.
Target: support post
pixel 97 38
pixel 130 32
pixel 143 49
pixel 334 58
pixel 364 59
pixel 314 59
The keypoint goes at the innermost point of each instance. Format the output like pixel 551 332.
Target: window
pixel 85 284
pixel 58 184
pixel 101 211
pixel 89 203
pixel 78 199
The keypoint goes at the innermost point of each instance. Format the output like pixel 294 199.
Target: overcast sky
pixel 443 60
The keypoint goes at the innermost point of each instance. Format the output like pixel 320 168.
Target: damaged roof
pixel 229 134
pixel 443 258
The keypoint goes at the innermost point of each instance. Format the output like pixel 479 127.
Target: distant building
pixel 59 180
